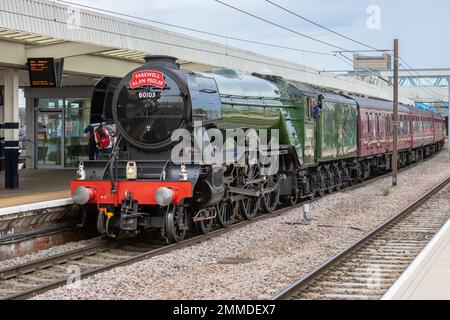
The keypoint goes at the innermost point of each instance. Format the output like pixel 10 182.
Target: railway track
pixel 368 268
pixel 35 277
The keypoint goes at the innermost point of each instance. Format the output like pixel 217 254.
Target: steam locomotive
pixel 326 141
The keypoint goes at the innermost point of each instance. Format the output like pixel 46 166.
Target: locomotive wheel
pixel 355 175
pixel 293 200
pixel 175 223
pixel 345 175
pixel 310 190
pixel 359 173
pixel 226 212
pixel 319 183
pixel 204 226
pixel 329 181
pixel 248 207
pixel 338 178
pixel 269 201
pixel 290 200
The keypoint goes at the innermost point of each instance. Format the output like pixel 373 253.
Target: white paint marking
pixel 35 206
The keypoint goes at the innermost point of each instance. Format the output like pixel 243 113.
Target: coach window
pixel 375 119
pixel 411 123
pixel 408 124
pixel 367 124
pixel 405 125
pixel 377 125
pixel 407 129
pixel 401 124
pixel 388 125
pixel 407 121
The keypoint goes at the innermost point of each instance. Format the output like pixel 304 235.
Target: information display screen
pixel 42 72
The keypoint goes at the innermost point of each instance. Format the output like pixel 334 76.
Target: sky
pixel 422 27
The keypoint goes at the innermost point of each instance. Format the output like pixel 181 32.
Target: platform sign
pixel 43 73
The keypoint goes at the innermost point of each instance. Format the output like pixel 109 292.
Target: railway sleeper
pixel 389 251
pixel 36 279
pixel 383 257
pixel 318 296
pixel 345 291
pixel 387 274
pixel 367 287
pixel 345 279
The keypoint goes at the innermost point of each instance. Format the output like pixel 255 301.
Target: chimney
pixel 161 61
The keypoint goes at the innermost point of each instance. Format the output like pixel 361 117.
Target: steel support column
pixel 11 126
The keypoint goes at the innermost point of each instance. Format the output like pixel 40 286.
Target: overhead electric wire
pixel 312 38
pixel 321 26
pixel 54 20
pixel 195 30
pixel 280 26
pixel 425 90
pixel 418 75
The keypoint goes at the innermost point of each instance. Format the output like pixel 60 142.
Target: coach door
pixel 310 130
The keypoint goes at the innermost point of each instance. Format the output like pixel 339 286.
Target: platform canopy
pixel 94 44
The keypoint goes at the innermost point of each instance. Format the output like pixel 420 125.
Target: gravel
pixel 48 252
pixel 259 260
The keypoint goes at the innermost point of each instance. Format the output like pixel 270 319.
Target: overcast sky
pixel 422 27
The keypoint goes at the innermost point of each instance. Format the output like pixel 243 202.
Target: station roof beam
pixel 63 50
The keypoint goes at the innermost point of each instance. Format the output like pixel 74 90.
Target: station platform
pixel 40 214
pixel 37 186
pixel 428 276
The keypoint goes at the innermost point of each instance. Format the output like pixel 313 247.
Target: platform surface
pixel 37 186
pixel 428 277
